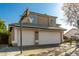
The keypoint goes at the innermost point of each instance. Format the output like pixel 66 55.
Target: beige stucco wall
pixel 43 20
pixel 25 20
pixel 13 36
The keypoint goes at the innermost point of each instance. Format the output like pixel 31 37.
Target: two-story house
pixel 37 29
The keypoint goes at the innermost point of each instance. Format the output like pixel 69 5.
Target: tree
pixel 4 33
pixel 71 11
pixel 2 26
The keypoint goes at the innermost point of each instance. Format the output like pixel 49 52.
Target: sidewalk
pixel 9 51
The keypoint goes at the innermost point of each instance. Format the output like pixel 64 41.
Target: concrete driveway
pixel 42 51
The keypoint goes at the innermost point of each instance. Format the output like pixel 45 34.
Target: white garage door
pixel 27 38
pixel 49 37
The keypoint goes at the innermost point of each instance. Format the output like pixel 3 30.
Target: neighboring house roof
pixel 72 32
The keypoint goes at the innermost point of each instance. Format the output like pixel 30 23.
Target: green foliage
pixel 4 33
pixel 3 28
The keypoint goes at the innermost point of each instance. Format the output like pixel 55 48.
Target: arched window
pixel 52 22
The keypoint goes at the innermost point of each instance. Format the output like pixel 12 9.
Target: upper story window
pixel 33 19
pixel 52 22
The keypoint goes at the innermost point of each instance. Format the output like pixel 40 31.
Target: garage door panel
pixel 49 37
pixel 27 38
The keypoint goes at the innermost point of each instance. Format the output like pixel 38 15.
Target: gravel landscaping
pixel 75 52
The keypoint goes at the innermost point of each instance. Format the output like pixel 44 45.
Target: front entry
pixel 36 37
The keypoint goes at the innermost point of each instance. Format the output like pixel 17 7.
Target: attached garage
pixel 37 37
pixel 49 37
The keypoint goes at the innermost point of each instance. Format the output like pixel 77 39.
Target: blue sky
pixel 11 12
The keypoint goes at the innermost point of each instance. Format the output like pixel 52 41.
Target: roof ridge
pixel 43 14
pixel 71 29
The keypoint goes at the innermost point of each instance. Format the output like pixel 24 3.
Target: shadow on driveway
pixel 40 47
pixel 9 49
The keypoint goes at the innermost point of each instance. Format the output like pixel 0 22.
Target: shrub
pixel 66 39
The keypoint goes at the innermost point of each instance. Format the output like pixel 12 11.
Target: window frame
pixel 33 19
